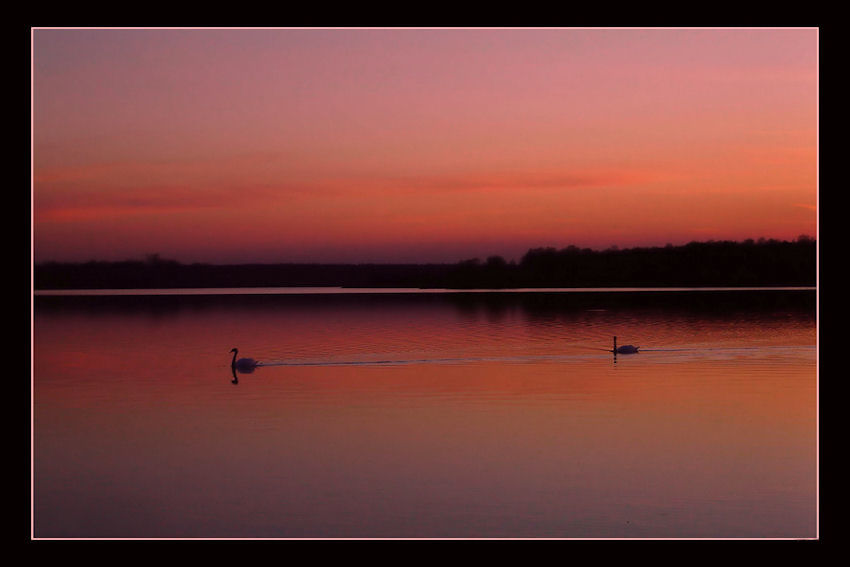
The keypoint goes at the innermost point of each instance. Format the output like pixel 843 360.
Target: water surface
pixel 473 415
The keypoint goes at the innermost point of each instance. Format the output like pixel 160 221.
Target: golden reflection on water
pixel 423 419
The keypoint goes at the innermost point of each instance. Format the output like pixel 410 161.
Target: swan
pixel 625 349
pixel 243 364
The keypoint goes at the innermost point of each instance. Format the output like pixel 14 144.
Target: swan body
pixel 242 364
pixel 625 349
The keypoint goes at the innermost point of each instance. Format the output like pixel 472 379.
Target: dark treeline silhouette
pixel 713 263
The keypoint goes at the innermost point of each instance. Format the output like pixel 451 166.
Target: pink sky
pixel 417 145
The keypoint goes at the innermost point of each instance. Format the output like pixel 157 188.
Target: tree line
pixel 713 263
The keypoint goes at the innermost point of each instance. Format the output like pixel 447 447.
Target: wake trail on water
pixel 389 362
pixel 515 359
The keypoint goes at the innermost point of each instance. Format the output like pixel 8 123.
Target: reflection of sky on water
pixel 485 417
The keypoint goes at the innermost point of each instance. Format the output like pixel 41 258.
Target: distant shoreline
pixel 766 263
pixel 304 290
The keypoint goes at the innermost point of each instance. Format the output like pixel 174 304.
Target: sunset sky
pixel 417 145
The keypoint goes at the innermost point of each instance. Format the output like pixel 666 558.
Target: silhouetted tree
pixel 712 263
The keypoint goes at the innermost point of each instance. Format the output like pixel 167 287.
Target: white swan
pixel 625 349
pixel 243 364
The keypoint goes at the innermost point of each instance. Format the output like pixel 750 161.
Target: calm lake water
pixel 426 415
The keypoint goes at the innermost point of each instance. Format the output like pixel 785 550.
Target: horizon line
pixel 153 257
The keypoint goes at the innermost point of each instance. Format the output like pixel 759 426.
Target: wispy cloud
pixel 120 189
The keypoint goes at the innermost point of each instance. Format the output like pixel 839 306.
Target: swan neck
pixel 233 362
